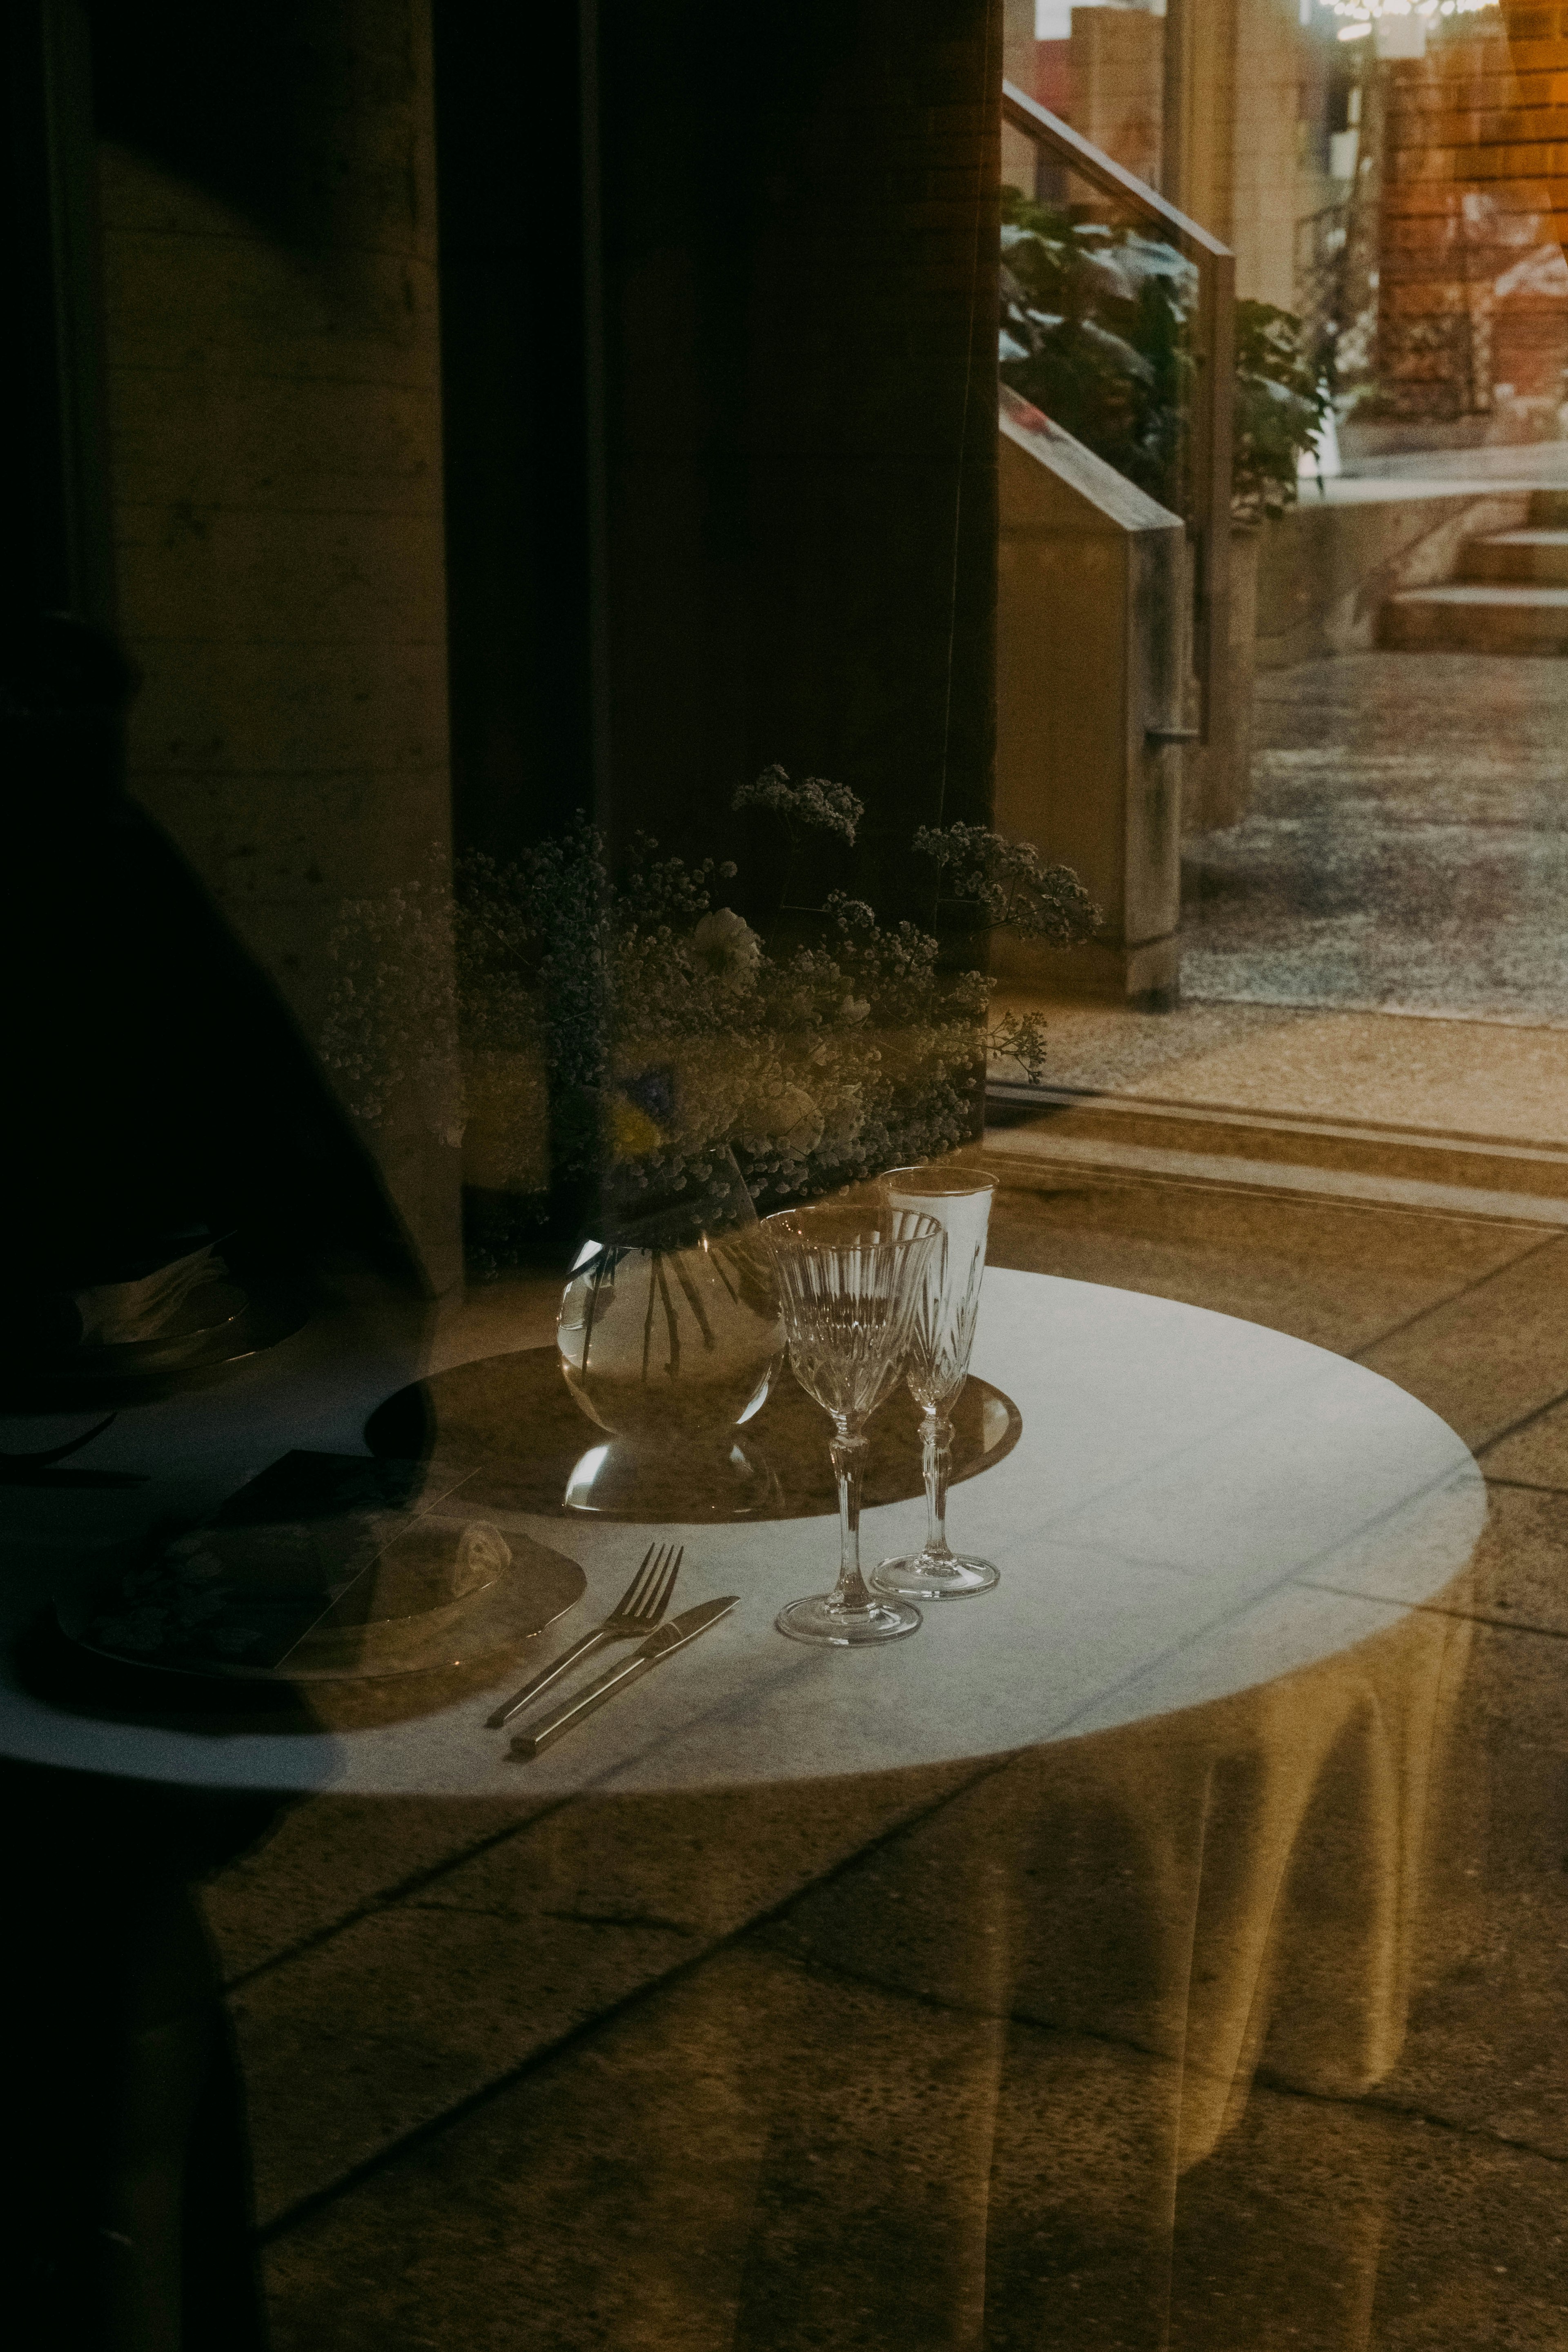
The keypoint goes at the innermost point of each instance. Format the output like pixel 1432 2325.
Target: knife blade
pixel 658 1646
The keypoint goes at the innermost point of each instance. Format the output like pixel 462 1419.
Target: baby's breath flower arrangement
pixel 1020 1038
pixel 392 1019
pixel 587 1022
pixel 812 1067
pixel 812 804
pixel 1010 884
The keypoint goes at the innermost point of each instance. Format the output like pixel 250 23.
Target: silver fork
pixel 638 1610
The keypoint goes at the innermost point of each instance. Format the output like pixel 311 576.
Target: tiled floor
pixel 955 2059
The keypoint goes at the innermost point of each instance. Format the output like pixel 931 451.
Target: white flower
pixel 790 1120
pixel 813 801
pixel 854 1009
pixel 842 1131
pixel 725 945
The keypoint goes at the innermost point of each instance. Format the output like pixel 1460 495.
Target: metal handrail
pixel 1209 522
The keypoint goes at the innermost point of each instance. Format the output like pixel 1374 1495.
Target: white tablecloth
pixel 1197 1506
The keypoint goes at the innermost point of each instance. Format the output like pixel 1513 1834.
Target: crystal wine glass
pixel 938 1365
pixel 849 1279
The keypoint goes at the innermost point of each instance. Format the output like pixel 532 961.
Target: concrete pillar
pixel 1019 153
pixel 1216 782
pixel 1094 598
pixel 274 395
pixel 1118 69
pixel 1231 73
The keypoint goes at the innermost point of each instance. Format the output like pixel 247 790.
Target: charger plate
pixel 507 1427
pixel 328 1568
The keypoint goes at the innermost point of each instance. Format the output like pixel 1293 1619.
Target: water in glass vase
pixel 669 1340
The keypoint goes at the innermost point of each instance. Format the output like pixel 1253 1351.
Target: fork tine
pixel 647 1603
pixel 642 1604
pixel 630 1602
pixel 668 1585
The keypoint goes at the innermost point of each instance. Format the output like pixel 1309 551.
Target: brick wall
pixel 1473 300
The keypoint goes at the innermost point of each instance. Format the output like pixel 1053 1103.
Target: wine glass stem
pixel 847 1448
pixel 936 1445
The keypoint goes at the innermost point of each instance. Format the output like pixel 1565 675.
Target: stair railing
pixel 1209 522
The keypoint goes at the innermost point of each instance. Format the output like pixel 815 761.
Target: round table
pixel 1160 1796
pixel 1196 1504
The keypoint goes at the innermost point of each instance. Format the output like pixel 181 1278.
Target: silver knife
pixel 653 1653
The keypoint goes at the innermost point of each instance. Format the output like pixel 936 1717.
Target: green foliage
pixel 1095 334
pixel 1092 334
pixel 1281 400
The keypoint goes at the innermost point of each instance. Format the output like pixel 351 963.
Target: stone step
pixel 1057 1133
pixel 1475 619
pixel 1549 509
pixel 1522 559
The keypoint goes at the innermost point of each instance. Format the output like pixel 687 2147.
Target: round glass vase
pixel 669 1337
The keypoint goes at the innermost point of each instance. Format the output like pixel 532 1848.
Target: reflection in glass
pixel 1097 332
pixel 670 1337
pixel 849 1281
pixel 941 1338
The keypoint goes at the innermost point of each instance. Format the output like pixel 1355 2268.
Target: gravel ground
pixel 1407 847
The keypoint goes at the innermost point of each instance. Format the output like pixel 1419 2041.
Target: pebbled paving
pixel 1407 846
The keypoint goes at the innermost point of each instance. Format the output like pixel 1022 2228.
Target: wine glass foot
pixel 933 1576
pixel 825 1621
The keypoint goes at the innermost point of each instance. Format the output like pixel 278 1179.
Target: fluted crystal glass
pixel 848 1279
pixel 942 1335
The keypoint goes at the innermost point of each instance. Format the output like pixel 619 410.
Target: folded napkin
pixel 113 1314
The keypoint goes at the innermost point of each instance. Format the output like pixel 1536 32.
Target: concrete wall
pixel 1325 569
pixel 1092 649
pixel 274 391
